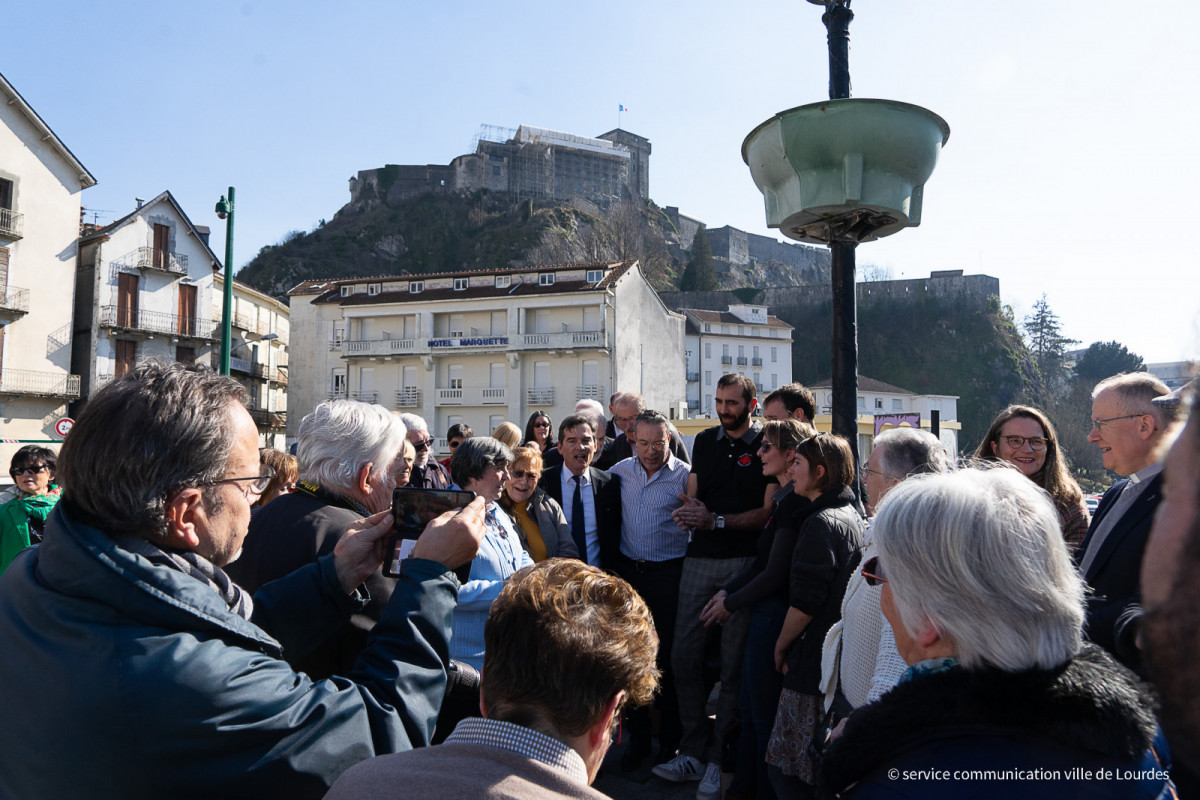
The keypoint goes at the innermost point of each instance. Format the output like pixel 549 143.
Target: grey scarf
pixel 236 598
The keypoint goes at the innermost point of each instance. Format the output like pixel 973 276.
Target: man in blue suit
pixel 1128 427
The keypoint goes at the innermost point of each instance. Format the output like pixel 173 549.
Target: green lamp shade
pixel 845 170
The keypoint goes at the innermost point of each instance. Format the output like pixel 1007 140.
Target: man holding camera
pixel 137 668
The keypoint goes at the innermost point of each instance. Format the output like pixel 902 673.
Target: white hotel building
pixel 487 346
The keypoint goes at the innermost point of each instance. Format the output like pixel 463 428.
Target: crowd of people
pixel 184 613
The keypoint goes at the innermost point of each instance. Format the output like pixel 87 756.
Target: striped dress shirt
pixel 647 531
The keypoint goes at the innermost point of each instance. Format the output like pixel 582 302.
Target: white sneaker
pixel 680 769
pixel 710 784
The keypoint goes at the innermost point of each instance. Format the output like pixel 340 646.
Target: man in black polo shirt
pixel 728 502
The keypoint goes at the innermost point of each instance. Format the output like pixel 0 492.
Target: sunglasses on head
pixel 872 572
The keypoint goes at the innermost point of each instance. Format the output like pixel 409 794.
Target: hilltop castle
pixel 535 163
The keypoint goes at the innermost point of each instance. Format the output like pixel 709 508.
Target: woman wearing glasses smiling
pixel 23 518
pixel 1025 438
pixel 540 521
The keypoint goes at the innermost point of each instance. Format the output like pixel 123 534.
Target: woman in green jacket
pixel 23 518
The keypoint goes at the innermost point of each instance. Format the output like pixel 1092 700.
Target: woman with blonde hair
pixel 540 521
pixel 1025 438
pixel 286 468
pixel 508 433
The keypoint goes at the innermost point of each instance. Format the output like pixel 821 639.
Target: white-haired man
pixel 346 451
pixel 427 472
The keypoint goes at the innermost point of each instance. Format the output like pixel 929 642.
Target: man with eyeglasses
pixel 651 559
pixel 138 669
pixel 427 472
pixel 626 407
pixel 1127 427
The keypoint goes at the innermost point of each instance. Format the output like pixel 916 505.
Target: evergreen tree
pixel 700 274
pixel 1105 359
pixel 1048 346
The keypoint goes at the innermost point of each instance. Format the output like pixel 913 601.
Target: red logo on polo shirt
pixel 744 460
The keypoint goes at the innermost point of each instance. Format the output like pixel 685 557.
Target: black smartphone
pixel 413 510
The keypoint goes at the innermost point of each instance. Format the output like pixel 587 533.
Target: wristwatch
pixel 718 522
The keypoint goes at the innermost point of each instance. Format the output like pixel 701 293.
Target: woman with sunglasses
pixel 23 518
pixel 1002 698
pixel 539 431
pixel 763 588
pixel 1024 437
pixel 827 551
pixel 540 520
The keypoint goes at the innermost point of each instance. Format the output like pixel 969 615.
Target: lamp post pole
pixel 837 19
pixel 225 211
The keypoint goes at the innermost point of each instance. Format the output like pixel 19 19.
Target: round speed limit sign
pixel 63 426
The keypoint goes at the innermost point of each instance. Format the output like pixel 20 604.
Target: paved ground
pixel 639 784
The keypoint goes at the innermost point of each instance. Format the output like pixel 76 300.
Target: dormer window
pixel 503 281
pixel 416 287
pixel 374 289
pixel 460 284
pixel 595 275
pixel 546 279
pixel 346 290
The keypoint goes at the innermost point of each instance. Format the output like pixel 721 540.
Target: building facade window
pixel 708 349
pixel 595 275
pixel 708 377
pixel 546 279
pixel 897 405
pixel 460 284
pixel 773 354
pixel 503 281
pixel 416 287
pixel 346 290
pixel 373 289
pixel 879 403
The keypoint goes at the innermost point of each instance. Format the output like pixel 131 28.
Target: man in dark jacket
pixel 138 669
pixel 347 451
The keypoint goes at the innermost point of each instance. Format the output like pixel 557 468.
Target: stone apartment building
pixel 258 355
pixel 882 405
pixel 41 184
pixel 484 347
pixel 144 289
pixel 744 339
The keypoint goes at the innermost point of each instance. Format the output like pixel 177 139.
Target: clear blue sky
pixel 1071 167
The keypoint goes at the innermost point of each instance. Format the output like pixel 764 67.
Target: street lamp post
pixel 224 211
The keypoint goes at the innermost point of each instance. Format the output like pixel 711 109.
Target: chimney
pixel 139 201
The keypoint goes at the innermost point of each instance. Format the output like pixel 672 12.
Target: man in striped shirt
pixel 651 559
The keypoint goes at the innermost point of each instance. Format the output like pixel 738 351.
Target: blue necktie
pixel 577 527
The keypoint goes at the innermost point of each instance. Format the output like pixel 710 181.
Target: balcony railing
pixel 756 361
pixel 540 396
pixel 268 419
pixel 693 377
pixel 742 361
pixel 408 397
pixel 381 347
pixel 149 258
pixel 565 340
pixel 11 224
pixel 156 322
pixel 336 394
pixel 365 397
pixel 260 370
pixel 239 364
pixel 473 396
pixel 591 391
pixel 14 303
pixel 39 384
pixel 726 361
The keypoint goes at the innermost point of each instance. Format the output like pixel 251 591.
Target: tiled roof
pixel 865 384
pixel 726 318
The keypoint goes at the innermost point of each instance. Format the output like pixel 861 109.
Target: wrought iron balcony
pixel 336 394
pixel 726 361
pixel 268 419
pixel 14 303
pixel 11 224
pixel 408 397
pixel 742 361
pixel 756 362
pixel 143 321
pixel 592 391
pixel 39 384
pixel 148 258
pixel 693 377
pixel 540 395
pixel 365 397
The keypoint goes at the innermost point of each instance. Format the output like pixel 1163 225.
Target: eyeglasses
pixel 865 469
pixel 1096 423
pixel 423 444
pixel 258 486
pixel 624 420
pixel 17 472
pixel 520 474
pixel 872 572
pixel 765 446
pixel 1017 442
pixel 541 425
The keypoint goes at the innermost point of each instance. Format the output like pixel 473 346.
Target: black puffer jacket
pixel 1087 726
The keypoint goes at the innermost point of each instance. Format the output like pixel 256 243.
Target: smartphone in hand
pixel 413 509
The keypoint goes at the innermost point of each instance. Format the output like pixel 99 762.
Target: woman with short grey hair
pixel 480 464
pixel 988 612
